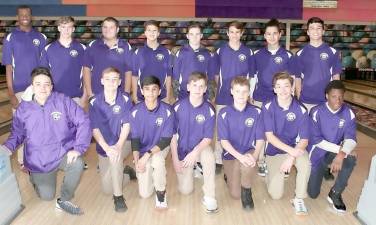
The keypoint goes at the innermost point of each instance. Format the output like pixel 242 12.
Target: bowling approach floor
pixel 186 210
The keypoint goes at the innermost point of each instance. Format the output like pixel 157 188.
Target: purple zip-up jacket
pixel 49 131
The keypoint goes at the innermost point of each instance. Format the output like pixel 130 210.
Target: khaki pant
pixel 275 179
pixel 112 176
pixel 237 176
pixel 185 178
pixel 309 106
pixel 154 176
pixel 217 144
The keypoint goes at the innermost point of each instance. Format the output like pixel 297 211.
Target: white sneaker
pixel 161 200
pixel 300 208
pixel 210 204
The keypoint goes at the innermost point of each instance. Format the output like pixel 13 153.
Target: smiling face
pixel 315 31
pixel 66 30
pixel 335 99
pixel 194 36
pixel 234 34
pixel 197 88
pixel 42 87
pixel 283 89
pixel 151 92
pixel 272 36
pixel 151 32
pixel 24 17
pixel 240 93
pixel 111 81
pixel 109 30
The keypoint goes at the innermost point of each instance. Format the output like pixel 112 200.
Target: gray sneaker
pixel 68 207
pixel 119 203
pixel 262 169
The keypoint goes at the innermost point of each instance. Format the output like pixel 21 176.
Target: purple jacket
pixel 49 132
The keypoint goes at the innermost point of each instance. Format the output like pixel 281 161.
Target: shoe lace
pixel 299 204
pixel 70 207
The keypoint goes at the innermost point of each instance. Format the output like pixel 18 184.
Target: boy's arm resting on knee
pixel 125 128
pixel 17 133
pixel 276 142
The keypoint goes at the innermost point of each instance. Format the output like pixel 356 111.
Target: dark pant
pixel 45 183
pixel 317 174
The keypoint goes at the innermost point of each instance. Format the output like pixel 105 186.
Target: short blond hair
pixel 240 80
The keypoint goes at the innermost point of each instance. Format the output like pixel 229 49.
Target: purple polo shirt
pixel 240 128
pixel 98 56
pixel 109 119
pixel 266 66
pixel 330 126
pixel 289 125
pixel 187 61
pixel 66 66
pixel 151 126
pixel 49 131
pixel 232 63
pixel 316 66
pixel 192 124
pixel 149 62
pixel 22 50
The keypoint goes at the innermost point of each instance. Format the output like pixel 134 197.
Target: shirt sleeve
pixel 210 124
pixel 350 130
pixel 168 128
pixel 251 64
pixel 336 63
pixel 136 63
pixel 213 66
pixel 87 59
pixel 135 131
pixel 177 65
pixel 93 114
pixel 222 126
pixel 170 60
pixel 304 126
pixel 17 133
pixel 297 62
pixel 268 120
pixel 44 59
pixel 128 58
pixel 81 121
pixel 260 131
pixel 7 50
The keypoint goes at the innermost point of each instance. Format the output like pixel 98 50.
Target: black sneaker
pixel 246 198
pixel 335 199
pixel 328 175
pixel 161 200
pixel 86 166
pixel 218 168
pixel 119 203
pixel 68 207
pixel 131 172
pixel 225 178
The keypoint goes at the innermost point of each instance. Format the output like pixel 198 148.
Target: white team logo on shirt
pixel 200 118
pixel 73 53
pixel 290 116
pixel 159 57
pixel 341 123
pixel 36 42
pixel 242 57
pixel 56 115
pixel 159 121
pixel 324 56
pixel 249 122
pixel 278 60
pixel 200 58
pixel 120 50
pixel 116 109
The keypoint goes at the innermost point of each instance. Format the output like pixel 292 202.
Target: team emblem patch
pixel 73 53
pixel 120 50
pixel 116 109
pixel 290 116
pixel 242 57
pixel 36 42
pixel 249 122
pixel 159 121
pixel 200 118
pixel 200 58
pixel 341 123
pixel 159 57
pixel 324 56
pixel 278 60
pixel 56 115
